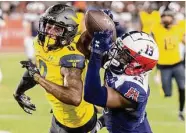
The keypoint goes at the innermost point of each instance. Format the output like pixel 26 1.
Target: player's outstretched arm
pixel 71 92
pixel 102 95
pixel 95 93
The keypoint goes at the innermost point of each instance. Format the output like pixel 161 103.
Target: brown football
pixel 99 21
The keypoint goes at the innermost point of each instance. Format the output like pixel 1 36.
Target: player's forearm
pixel 94 92
pixel 25 84
pixel 67 95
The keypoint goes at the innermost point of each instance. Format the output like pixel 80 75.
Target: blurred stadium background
pixel 18 26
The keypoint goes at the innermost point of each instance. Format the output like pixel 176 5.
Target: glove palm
pixel 24 102
pixel 101 42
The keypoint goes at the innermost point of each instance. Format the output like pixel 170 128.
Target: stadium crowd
pixel 125 12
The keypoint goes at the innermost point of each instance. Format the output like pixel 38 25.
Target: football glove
pixel 24 103
pixel 32 69
pixel 109 13
pixel 102 42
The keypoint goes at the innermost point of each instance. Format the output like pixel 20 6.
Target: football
pixel 96 20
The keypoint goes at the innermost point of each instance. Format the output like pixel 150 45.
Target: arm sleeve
pixel 25 84
pixel 94 93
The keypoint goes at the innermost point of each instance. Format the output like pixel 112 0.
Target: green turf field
pixel 162 113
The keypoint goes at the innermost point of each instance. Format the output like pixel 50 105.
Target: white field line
pixel 14 116
pixel 1 131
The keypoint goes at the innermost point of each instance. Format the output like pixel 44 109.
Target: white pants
pixel 29 47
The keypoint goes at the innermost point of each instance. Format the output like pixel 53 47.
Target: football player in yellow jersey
pixel 60 70
pixel 168 36
pixel 149 17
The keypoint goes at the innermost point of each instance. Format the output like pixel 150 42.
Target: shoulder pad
pixel 73 60
pixel 133 92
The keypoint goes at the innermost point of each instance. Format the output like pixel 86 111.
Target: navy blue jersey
pixel 129 120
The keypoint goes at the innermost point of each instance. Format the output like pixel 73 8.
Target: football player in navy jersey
pixel 125 93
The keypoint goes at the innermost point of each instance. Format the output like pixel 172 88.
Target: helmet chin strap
pixel 118 70
pixel 114 66
pixel 53 44
pixel 111 63
pixel 106 65
pixel 115 63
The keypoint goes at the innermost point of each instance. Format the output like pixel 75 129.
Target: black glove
pixel 24 102
pixel 32 69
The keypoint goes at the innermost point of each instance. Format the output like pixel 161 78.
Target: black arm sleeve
pixel 25 84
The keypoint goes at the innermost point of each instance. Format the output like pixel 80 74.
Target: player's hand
pixel 109 13
pixel 24 103
pixel 102 42
pixel 32 69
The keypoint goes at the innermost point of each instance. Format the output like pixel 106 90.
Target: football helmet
pixel 132 54
pixel 57 26
pixel 167 17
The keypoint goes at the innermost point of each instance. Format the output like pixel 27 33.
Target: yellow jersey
pixel 148 20
pixel 49 64
pixel 182 25
pixel 168 41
